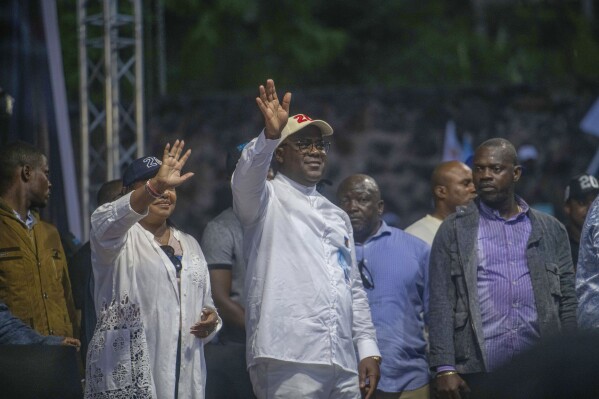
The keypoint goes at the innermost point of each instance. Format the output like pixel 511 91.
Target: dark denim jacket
pixel 455 326
pixel 14 332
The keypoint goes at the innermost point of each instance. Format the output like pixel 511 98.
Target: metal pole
pixel 84 119
pixel 111 89
pixel 139 79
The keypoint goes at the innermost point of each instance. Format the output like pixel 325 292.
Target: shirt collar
pixel 493 214
pixel 307 190
pixel 383 230
pixel 29 221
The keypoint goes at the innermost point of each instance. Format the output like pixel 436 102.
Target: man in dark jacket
pixel 501 277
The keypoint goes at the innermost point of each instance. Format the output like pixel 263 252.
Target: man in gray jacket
pixel 501 277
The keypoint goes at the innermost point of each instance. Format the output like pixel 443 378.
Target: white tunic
pixel 305 300
pixel 134 348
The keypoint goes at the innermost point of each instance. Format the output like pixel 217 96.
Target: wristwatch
pixel 377 359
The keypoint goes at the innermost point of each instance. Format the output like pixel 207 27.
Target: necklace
pixel 163 238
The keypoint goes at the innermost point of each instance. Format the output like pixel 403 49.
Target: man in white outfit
pixel 306 309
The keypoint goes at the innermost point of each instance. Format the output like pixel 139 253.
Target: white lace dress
pixel 140 308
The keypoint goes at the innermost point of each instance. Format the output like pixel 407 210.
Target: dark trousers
pixel 226 371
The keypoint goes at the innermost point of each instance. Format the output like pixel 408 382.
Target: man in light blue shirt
pixel 394 270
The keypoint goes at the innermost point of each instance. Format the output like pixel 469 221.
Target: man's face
pixel 302 166
pixel 360 199
pixel 459 186
pixel 494 175
pixel 577 209
pixel 40 184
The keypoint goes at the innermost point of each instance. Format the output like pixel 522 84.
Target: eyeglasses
pixel 305 146
pixel 366 276
pixel 170 252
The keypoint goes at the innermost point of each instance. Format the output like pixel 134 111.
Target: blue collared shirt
pixel 29 221
pixel 507 304
pixel 398 263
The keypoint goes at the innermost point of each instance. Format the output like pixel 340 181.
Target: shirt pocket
pixel 109 360
pixel 12 267
pixel 54 258
pixel 553 279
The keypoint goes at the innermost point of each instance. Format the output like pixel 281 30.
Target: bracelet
pixel 151 191
pixel 377 359
pixel 444 373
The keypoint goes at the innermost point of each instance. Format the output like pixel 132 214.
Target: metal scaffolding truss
pixel 111 92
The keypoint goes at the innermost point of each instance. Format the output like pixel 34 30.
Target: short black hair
pixel 14 155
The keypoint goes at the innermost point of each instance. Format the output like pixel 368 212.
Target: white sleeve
pixel 249 186
pixel 109 226
pixel 363 332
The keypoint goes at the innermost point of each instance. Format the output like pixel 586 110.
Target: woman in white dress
pixel 152 290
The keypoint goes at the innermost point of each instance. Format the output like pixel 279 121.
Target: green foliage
pixel 233 44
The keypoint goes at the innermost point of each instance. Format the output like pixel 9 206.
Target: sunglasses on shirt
pixel 170 252
pixel 366 276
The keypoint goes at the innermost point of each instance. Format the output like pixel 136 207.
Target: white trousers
pixel 276 379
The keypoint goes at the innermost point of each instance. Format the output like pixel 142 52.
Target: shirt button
pixel 51 332
pixel 45 295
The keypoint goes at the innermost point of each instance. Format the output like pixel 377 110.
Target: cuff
pixel 367 348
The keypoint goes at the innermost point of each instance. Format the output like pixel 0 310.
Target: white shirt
pixel 139 312
pixel 425 228
pixel 305 300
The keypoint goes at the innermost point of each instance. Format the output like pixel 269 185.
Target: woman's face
pixel 163 207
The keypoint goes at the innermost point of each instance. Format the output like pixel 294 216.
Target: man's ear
pixel 517 172
pixel 381 206
pixel 440 192
pixel 279 154
pixel 26 172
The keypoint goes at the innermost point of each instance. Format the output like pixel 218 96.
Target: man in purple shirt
pixel 501 277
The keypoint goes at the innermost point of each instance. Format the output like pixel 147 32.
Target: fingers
pixel 369 392
pixel 286 101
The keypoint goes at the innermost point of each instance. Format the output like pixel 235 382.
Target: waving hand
pixel 275 113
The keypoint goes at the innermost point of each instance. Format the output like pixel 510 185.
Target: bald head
pixel 452 186
pixel 359 180
pixel 360 197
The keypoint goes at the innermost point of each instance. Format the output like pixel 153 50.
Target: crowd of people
pixel 290 295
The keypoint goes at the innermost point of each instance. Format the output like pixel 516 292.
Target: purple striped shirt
pixel 507 304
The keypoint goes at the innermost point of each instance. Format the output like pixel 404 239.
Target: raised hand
pixel 275 113
pixel 173 160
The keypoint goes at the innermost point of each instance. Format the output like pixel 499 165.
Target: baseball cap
pixel 141 169
pixel 300 121
pixel 581 185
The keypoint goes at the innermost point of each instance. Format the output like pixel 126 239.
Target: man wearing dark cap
pixel 587 272
pixel 579 195
pixel 306 309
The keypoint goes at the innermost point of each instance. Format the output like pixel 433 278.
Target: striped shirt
pixel 507 304
pixel 398 265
